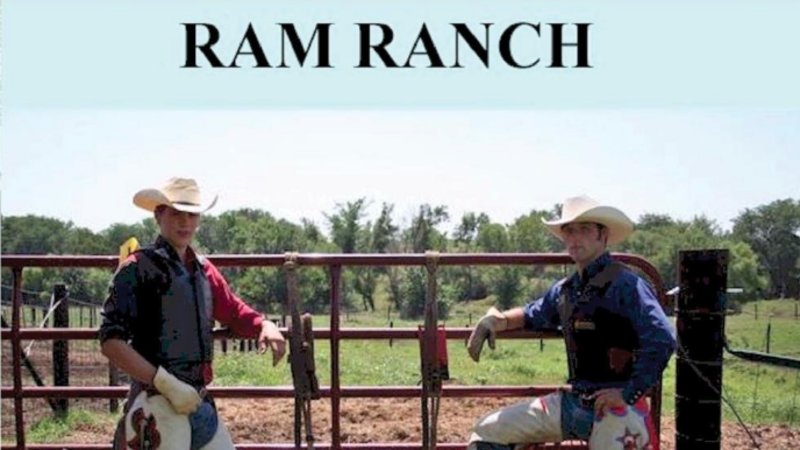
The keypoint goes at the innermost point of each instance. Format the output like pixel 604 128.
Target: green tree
pixel 660 238
pixel 466 280
pixel 312 233
pixel 422 235
pixel 650 221
pixel 744 270
pixel 414 288
pixel 115 235
pixel 408 287
pixel 467 230
pixel 34 235
pixel 252 231
pixel 770 232
pixel 385 239
pixel 529 235
pixel 82 241
pixel 384 231
pixel 351 236
pixel 345 224
pixel 505 282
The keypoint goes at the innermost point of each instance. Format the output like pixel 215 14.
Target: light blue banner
pixel 129 54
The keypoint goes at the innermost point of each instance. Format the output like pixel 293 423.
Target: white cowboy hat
pixel 179 193
pixel 585 209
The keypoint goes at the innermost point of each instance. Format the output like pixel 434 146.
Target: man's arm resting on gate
pixel 515 318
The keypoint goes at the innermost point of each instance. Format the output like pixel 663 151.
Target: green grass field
pixel 760 393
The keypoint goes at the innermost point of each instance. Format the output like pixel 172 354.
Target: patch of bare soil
pixel 361 420
pixel 398 420
pixel 392 420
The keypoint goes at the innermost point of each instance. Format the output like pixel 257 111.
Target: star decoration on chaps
pixel 147 436
pixel 628 440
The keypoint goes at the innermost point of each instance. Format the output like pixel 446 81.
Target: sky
pixel 85 165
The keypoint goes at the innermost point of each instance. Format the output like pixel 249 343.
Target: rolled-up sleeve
pixel 119 309
pixel 542 314
pixel 656 339
pixel 229 309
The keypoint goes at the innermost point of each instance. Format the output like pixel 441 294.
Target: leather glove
pixel 486 329
pixel 183 397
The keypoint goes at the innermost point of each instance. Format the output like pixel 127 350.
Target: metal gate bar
pixel 334 334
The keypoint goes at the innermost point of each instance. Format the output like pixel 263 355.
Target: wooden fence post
pixel 61 346
pixel 698 370
pixel 113 380
pixel 769 334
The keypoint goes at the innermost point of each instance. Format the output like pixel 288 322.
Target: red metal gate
pixel 334 264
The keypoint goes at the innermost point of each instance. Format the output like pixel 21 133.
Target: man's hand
pixel 608 398
pixel 183 397
pixel 271 335
pixel 486 328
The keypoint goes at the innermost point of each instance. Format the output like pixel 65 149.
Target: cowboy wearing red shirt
pixel 157 327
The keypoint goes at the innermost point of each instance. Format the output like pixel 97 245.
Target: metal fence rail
pixel 334 334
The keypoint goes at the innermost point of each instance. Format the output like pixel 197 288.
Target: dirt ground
pixel 391 420
pixel 361 420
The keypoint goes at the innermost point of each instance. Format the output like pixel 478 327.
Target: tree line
pixel 763 244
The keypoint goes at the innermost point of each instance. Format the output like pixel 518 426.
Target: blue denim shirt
pixel 629 296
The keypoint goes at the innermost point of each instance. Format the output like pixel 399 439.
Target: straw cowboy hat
pixel 182 194
pixel 586 209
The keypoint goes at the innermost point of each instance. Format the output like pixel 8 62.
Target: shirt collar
pixel 166 250
pixel 591 270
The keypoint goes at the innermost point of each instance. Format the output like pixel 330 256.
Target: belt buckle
pixel 586 399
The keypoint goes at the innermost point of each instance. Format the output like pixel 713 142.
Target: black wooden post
pixel 61 346
pixel 113 380
pixel 701 323
pixel 769 334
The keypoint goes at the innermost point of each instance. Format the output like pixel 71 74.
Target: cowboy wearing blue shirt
pixel 618 342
